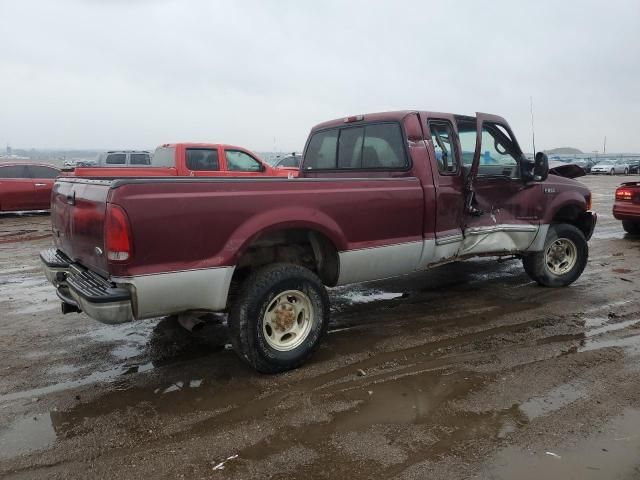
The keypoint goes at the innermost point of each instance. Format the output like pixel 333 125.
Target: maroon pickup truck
pixel 378 195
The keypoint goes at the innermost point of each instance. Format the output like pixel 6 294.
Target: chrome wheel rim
pixel 561 256
pixel 287 320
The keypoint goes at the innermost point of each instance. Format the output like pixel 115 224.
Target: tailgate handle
pixel 71 198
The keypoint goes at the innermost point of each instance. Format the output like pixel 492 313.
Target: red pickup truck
pixel 192 160
pixel 378 195
pixel 626 206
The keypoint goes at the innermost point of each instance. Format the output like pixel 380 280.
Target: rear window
pixel 140 159
pixel 374 146
pixel 164 157
pixel 13 171
pixel 202 159
pixel 116 159
pixel 37 171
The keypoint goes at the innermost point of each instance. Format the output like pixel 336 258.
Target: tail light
pixel 624 194
pixel 117 234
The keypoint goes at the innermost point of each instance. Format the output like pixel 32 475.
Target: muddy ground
pixel 467 371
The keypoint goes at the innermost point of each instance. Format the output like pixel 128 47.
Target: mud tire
pixel 536 266
pixel 631 227
pixel 248 310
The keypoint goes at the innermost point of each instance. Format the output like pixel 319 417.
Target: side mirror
pixel 540 167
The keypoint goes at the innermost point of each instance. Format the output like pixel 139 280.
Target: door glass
pixel 443 144
pixel 498 155
pixel 202 159
pixel 13 171
pixel 38 171
pixel 238 161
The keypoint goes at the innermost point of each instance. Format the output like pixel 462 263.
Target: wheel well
pixel 573 215
pixel 308 248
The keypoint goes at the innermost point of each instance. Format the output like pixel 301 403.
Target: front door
pixel 43 179
pixel 498 218
pixel 16 188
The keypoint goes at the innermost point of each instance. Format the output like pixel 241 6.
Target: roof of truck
pixel 396 116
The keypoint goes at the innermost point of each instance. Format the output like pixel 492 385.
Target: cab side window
pixel 38 171
pixel 238 161
pixel 140 159
pixel 443 140
pixel 205 159
pixel 13 171
pixel 116 159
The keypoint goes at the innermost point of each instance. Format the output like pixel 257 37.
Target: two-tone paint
pixel 190 233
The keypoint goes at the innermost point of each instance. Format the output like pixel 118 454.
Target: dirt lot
pixel 467 371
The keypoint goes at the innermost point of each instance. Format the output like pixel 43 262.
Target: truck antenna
pixel 533 132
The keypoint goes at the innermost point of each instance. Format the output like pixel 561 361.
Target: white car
pixel 611 167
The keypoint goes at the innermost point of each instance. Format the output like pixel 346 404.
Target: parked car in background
pixel 585 163
pixel 191 160
pixel 123 158
pixel 379 195
pixel 634 165
pixel 626 206
pixel 26 186
pixel 290 161
pixel 611 167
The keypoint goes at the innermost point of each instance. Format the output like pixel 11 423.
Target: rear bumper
pixel 85 290
pixel 120 300
pixel 626 211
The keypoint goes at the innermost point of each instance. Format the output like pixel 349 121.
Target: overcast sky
pixel 137 73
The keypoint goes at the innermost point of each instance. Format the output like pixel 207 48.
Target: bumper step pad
pixel 95 289
pixel 54 258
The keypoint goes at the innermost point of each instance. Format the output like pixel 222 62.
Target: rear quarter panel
pixel 184 224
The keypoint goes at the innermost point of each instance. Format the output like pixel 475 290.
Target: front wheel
pixel 279 317
pixel 631 227
pixel 563 258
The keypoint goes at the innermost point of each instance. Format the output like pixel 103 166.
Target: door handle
pixel 41 184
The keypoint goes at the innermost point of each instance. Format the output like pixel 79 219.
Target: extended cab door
pixel 16 188
pixel 202 161
pixel 499 215
pixel 448 180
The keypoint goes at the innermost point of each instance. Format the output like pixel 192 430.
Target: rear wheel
pixel 631 227
pixel 279 317
pixel 563 258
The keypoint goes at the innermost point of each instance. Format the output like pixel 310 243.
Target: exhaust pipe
pixel 191 322
pixel 68 308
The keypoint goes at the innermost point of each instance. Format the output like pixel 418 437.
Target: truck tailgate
pixel 77 216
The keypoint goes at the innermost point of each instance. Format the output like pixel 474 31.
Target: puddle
pixel 26 434
pixel 559 397
pixel 612 454
pixel 101 376
pixel 603 332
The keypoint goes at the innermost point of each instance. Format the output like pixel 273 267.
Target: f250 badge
pixel 549 190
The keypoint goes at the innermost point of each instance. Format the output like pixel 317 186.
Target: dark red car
pixel 627 206
pixel 26 186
